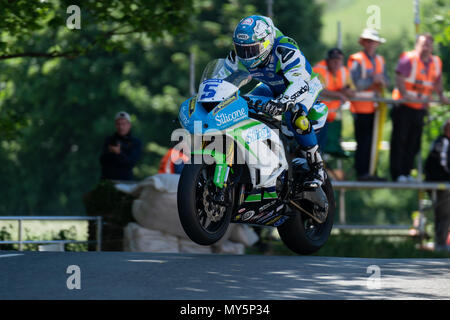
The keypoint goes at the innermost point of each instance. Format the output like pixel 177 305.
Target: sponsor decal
pixel 219 174
pixel 225 103
pixel 255 134
pixel 246 216
pixel 241 210
pixel 212 81
pixel 264 207
pixel 276 83
pixel 242 36
pixel 192 104
pixel 315 86
pixel 280 221
pixel 247 22
pixel 271 222
pixel 266 217
pixel 223 118
pixel 302 90
pixel 237 218
pixel 183 118
pixel 262 216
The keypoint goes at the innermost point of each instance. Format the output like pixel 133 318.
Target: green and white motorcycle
pixel 242 169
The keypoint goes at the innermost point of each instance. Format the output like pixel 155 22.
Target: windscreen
pixel 216 70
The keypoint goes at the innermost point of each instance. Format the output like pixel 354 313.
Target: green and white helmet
pixel 253 40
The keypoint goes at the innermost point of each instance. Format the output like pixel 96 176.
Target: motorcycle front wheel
pixel 204 221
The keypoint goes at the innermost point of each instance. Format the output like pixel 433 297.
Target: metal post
pixel 342 206
pixel 416 5
pixel 270 8
pixel 20 235
pixel 192 72
pixel 99 233
pixel 339 35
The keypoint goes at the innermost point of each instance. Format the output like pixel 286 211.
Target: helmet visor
pixel 248 51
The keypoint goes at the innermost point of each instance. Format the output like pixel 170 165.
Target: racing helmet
pixel 253 40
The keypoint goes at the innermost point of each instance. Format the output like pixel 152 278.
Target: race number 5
pixel 208 90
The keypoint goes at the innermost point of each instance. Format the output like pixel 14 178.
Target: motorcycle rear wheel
pixel 302 235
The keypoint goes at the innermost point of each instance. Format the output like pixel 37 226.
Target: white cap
pixel 372 34
pixel 123 115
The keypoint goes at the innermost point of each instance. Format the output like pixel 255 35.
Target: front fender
pixel 220 159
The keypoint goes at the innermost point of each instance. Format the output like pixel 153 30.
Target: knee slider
pixel 302 125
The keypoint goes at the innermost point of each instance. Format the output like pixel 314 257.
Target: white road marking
pixel 10 255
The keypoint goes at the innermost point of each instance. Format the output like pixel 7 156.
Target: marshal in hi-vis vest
pixel 420 82
pixel 167 163
pixel 332 83
pixel 367 69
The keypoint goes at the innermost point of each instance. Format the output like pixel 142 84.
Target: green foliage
pixel 436 20
pixel 113 22
pixel 56 113
pixel 70 233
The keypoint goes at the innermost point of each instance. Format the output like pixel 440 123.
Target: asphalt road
pixel 126 275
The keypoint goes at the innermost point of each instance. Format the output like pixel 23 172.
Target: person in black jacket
pixel 437 168
pixel 121 151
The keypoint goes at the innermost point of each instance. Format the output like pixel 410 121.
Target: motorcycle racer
pixel 285 76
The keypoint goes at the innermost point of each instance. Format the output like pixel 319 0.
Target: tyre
pixel 204 221
pixel 302 234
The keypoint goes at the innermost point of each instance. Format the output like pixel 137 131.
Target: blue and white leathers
pixel 287 76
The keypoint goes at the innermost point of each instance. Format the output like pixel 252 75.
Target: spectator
pixel 368 73
pixel 418 73
pixel 337 82
pixel 121 151
pixel 437 168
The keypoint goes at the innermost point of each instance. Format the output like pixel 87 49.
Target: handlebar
pixel 258 105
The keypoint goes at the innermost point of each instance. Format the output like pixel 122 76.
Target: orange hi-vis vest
pixel 366 69
pixel 167 164
pixel 420 82
pixel 332 83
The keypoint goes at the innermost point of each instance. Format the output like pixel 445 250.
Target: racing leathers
pixel 286 76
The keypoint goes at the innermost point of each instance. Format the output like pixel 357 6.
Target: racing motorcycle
pixel 245 168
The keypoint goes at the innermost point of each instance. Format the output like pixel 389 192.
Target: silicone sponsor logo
pixel 223 118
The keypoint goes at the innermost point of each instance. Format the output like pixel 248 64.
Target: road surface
pixel 127 275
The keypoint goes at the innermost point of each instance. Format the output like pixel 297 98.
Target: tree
pixel 113 21
pixel 436 20
pixel 60 109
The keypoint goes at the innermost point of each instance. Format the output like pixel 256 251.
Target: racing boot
pixel 316 177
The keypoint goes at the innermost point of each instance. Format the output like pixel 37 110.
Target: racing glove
pixel 274 108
